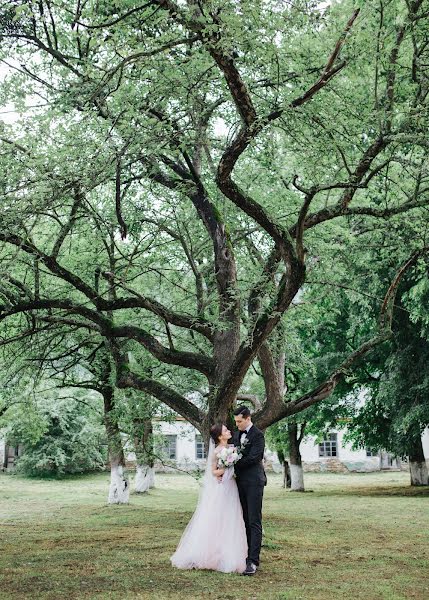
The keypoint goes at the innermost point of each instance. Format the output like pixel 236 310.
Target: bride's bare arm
pixel 216 472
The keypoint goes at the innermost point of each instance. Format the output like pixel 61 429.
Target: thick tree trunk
pixel 145 478
pixel 296 470
pixel 286 474
pixel 119 491
pixel 418 466
pixel 145 472
pixel 5 457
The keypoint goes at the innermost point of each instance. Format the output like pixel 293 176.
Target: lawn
pixel 351 536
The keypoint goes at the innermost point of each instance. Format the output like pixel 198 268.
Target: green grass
pixel 354 536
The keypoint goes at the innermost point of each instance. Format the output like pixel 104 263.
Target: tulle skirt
pixel 215 537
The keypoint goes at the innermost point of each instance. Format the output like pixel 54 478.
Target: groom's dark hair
pixel 243 411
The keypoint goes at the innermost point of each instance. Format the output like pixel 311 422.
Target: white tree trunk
pixel 297 478
pixel 419 473
pixel 145 478
pixel 295 459
pixel 119 491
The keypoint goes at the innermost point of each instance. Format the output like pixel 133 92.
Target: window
pixel 329 446
pixel 370 452
pixel 200 451
pixel 169 446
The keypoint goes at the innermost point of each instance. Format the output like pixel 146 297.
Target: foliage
pixel 189 168
pixel 396 411
pixel 59 437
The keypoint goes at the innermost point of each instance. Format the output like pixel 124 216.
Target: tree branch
pixel 69 223
pixel 165 394
pixel 267 417
pixel 189 360
pixel 44 304
pixel 51 263
pixel 180 320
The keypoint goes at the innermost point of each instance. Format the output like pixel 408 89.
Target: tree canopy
pixel 188 165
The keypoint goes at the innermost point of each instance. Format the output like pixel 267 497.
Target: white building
pixel 182 444
pixel 184 449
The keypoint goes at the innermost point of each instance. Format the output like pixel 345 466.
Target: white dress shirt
pixel 244 433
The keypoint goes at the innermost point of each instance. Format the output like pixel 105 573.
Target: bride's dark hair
pixel 216 431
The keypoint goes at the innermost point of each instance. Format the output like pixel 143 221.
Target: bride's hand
pixel 219 473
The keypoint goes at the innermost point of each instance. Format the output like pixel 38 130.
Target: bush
pixel 59 438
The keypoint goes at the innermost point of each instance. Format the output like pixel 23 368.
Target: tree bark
pixel 286 474
pixel 418 467
pixel 119 491
pixel 145 478
pixel 296 470
pixel 145 472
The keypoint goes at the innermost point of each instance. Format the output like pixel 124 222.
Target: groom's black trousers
pixel 251 502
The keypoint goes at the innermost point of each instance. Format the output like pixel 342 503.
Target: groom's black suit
pixel 251 479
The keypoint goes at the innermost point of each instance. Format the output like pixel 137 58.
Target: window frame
pixel 328 447
pixel 199 445
pixel 168 438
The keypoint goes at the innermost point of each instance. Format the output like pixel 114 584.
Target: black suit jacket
pixel 249 469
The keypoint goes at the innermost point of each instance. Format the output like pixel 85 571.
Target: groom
pixel 251 479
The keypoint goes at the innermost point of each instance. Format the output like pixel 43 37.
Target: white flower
pixel 227 457
pixel 243 443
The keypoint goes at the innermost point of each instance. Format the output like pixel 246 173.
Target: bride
pixel 215 537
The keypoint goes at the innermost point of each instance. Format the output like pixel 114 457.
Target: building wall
pixel 185 439
pixel 351 460
pixel 185 446
pixel 346 459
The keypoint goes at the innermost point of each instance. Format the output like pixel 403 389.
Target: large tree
pixel 396 410
pixel 133 103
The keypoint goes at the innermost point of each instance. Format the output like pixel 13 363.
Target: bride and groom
pixel 225 531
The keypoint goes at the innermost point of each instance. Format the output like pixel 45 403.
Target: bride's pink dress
pixel 215 537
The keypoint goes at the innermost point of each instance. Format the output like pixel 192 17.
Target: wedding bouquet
pixel 227 457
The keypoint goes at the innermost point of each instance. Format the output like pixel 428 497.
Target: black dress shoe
pixel 250 569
